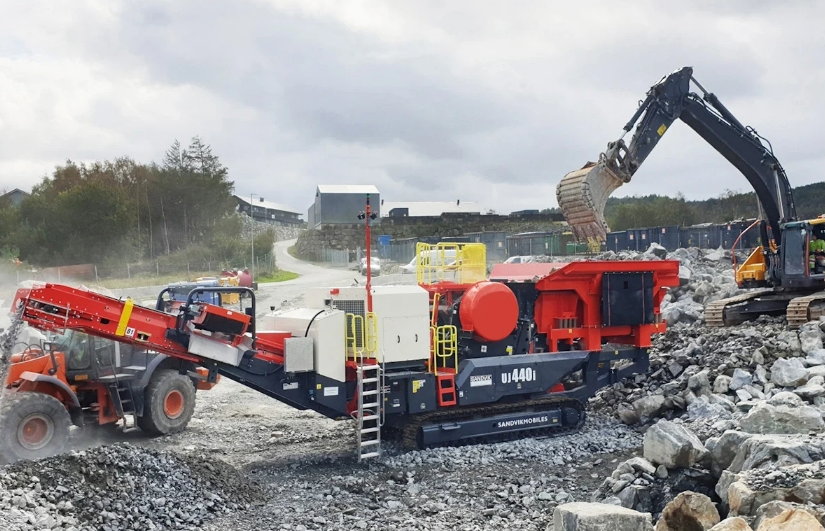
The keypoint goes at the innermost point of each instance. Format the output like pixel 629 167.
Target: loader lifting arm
pixel 582 194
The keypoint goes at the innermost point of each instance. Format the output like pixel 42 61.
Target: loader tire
pixel 168 404
pixel 32 426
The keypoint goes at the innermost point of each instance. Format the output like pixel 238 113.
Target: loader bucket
pixel 582 195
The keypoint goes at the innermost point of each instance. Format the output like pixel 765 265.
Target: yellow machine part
pixel 753 269
pixel 229 298
pixel 582 195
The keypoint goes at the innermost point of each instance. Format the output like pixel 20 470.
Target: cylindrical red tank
pixel 245 278
pixel 489 310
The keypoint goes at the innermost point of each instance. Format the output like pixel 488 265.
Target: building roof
pixel 15 190
pixel 347 189
pixel 431 208
pixel 269 205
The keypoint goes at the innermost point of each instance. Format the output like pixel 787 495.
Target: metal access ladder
pixel 370 412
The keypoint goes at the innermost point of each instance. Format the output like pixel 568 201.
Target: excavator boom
pixel 582 194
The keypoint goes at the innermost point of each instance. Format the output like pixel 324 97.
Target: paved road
pixel 292 291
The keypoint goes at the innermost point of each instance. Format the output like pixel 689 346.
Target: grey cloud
pixel 317 100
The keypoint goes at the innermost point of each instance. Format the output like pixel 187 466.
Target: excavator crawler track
pixel 410 439
pixel 715 311
pixel 804 309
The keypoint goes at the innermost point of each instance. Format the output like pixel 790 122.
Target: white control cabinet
pixel 327 333
pixel 403 314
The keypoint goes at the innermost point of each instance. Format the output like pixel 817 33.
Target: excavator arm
pixel 582 194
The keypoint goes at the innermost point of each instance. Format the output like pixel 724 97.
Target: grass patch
pixel 293 252
pixel 277 276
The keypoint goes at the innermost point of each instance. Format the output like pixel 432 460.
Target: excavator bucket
pixel 582 195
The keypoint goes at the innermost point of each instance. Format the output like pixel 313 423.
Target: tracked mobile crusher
pixel 457 357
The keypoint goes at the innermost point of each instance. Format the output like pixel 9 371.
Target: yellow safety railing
pixel 361 335
pixel 434 317
pixel 463 263
pixel 444 347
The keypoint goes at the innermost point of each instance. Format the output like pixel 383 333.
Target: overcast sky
pixel 481 101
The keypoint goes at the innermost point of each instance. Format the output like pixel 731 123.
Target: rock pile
pixel 770 379
pixel 117 488
pixel 757 478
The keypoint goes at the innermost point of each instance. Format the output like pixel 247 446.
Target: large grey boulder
pixel 786 398
pixel 775 508
pixel 732 524
pixel 810 337
pixel 789 372
pixel 740 379
pixel 786 344
pixel 703 407
pixel 690 510
pixel 672 445
pixel 813 388
pixel 656 250
pixel 816 357
pixel 725 450
pixel 764 451
pixel 599 517
pixel 649 406
pixel 791 520
pixel 721 385
pixel 768 418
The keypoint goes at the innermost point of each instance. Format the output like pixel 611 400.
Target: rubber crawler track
pixel 410 429
pixel 804 309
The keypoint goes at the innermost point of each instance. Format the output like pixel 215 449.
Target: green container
pixel 577 248
pixel 553 245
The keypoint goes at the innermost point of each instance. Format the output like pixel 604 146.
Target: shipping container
pixel 617 241
pixel 577 248
pixel 496 242
pixel 531 244
pixel 638 239
pixel 705 236
pixel 668 237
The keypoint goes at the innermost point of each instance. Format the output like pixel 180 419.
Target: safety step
pixel 369 417
pixel 116 377
pixel 369 455
pixel 136 368
pixel 370 405
pixel 370 442
pixel 369 393
pixel 369 380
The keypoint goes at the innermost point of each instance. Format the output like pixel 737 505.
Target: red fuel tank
pixel 489 310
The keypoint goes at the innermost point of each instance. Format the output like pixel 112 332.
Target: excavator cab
pixel 803 262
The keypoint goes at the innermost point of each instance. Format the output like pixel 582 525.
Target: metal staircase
pixel 369 415
pixel 363 352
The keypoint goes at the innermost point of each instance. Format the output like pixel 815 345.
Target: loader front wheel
pixel 168 404
pixel 32 425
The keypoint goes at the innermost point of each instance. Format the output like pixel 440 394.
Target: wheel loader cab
pixel 89 357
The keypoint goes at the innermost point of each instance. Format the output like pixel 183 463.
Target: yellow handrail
pixel 463 263
pixel 444 346
pixel 361 335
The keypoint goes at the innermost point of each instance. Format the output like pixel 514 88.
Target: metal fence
pixel 340 257
pixel 149 270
